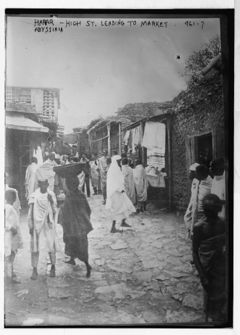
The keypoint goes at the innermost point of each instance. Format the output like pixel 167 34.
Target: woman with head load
pixel 75 219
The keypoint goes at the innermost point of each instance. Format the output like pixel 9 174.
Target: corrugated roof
pixel 23 123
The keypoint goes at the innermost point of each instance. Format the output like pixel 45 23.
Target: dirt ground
pixel 140 276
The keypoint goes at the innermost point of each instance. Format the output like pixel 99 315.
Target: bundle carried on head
pixel 69 170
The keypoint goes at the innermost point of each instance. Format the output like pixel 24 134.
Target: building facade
pixel 44 101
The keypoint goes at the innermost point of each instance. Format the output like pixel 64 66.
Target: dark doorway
pixel 204 149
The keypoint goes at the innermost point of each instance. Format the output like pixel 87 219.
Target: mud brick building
pixel 197 132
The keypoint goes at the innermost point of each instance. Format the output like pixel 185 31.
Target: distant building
pixel 60 131
pixel 44 101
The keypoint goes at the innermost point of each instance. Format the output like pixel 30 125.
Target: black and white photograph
pixel 118 170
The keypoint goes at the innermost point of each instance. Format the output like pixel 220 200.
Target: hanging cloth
pixel 126 137
pixel 137 136
pixel 154 136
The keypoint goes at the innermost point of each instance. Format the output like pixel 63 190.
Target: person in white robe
pixel 30 177
pixel 12 235
pixel 94 165
pixel 128 180
pixel 118 203
pixel 42 227
pixel 16 204
pixel 140 181
pixel 203 187
pixel 188 214
pixel 219 183
pixel 45 171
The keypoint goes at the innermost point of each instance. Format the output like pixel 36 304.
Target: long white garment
pixel 140 181
pixel 12 242
pixel 30 179
pixel 202 189
pixel 137 137
pixel 188 214
pixel 154 136
pixel 118 202
pixel 129 186
pixel 126 137
pixel 45 171
pixel 16 203
pixel 219 188
pixel 38 154
pixel 44 220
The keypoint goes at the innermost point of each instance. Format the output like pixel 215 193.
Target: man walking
pixel 42 212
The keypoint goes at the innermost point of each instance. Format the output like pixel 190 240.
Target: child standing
pixel 12 234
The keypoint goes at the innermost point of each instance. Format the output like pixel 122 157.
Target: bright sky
pixel 100 69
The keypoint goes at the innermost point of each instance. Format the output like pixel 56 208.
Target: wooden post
pixel 168 129
pixel 109 139
pixel 120 138
pixel 89 140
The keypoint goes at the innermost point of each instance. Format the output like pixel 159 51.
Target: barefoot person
pixel 42 212
pixel 74 217
pixel 118 202
pixel 12 235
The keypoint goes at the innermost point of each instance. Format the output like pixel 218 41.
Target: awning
pixel 23 123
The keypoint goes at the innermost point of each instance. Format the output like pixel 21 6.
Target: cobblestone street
pixel 140 276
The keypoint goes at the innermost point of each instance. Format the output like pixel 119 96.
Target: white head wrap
pixel 193 166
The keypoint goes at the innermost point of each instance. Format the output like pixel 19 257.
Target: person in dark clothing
pixel 209 258
pixel 74 217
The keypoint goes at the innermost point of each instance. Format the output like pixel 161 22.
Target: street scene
pixel 116 172
pixel 141 275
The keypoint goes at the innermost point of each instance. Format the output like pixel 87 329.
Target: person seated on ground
pixel 210 258
pixel 74 217
pixel 129 186
pixel 118 203
pixel 217 169
pixel 12 235
pixel 140 181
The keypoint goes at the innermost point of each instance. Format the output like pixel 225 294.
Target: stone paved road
pixel 140 276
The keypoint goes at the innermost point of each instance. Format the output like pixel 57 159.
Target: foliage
pixel 201 58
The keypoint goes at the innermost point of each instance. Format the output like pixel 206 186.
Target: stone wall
pixel 201 112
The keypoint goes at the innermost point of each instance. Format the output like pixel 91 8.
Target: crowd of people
pixel 123 185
